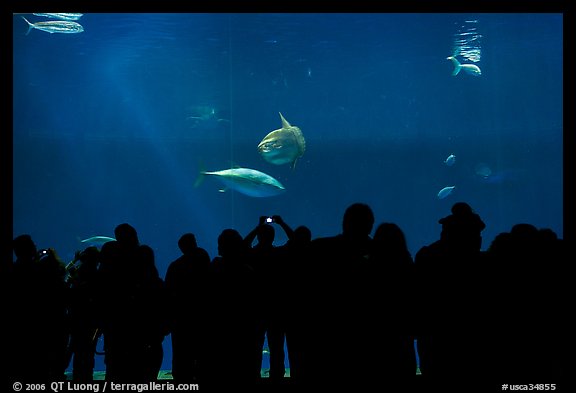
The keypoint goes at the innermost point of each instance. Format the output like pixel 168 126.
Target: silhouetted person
pixel 83 312
pixel 186 282
pixel 554 303
pixel 37 328
pixel 390 280
pixel 269 270
pixel 295 255
pixel 117 261
pixel 133 299
pixel 337 318
pixel 532 281
pixel 233 309
pixel 452 291
pixel 150 319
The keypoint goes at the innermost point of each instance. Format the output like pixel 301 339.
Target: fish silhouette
pixel 205 116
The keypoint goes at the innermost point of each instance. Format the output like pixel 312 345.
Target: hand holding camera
pixel 43 253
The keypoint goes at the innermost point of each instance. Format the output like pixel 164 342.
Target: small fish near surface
pixel 56 26
pixel 284 145
pixel 471 69
pixel 246 181
pixel 60 15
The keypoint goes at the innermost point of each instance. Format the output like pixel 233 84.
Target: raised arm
pixel 289 232
pixel 249 239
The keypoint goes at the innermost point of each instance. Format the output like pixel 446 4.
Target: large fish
pixel 247 181
pixel 56 26
pixel 284 145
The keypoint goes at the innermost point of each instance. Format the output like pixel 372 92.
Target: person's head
pixel 525 236
pixel 265 234
pixel 229 242
pixel 90 258
pixel 24 247
pixel 90 255
pixel 126 235
pixel 524 230
pixel 146 266
pixel 187 243
pixel 302 235
pixel 358 220
pixel 463 227
pixel 388 237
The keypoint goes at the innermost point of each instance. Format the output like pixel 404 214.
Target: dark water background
pixel 102 132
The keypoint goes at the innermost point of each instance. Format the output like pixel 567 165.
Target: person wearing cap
pixel 449 277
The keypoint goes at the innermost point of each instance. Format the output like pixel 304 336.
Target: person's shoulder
pixel 176 262
pixel 177 266
pixel 216 262
pixel 427 250
pixel 202 253
pixel 327 239
pixel 327 245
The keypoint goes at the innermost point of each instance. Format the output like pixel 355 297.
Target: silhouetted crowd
pixel 349 308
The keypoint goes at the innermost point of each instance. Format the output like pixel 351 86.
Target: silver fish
pixel 450 160
pixel 443 193
pixel 56 26
pixel 284 145
pixel 204 116
pixel 246 181
pixel 97 240
pixel 60 15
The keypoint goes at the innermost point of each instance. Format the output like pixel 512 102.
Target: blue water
pixel 103 132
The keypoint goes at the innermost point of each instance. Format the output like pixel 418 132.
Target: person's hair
pixel 126 234
pixel 187 243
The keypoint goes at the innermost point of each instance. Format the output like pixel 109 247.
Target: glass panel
pixel 408 113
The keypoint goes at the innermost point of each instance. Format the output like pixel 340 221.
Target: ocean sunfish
pixel 284 145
